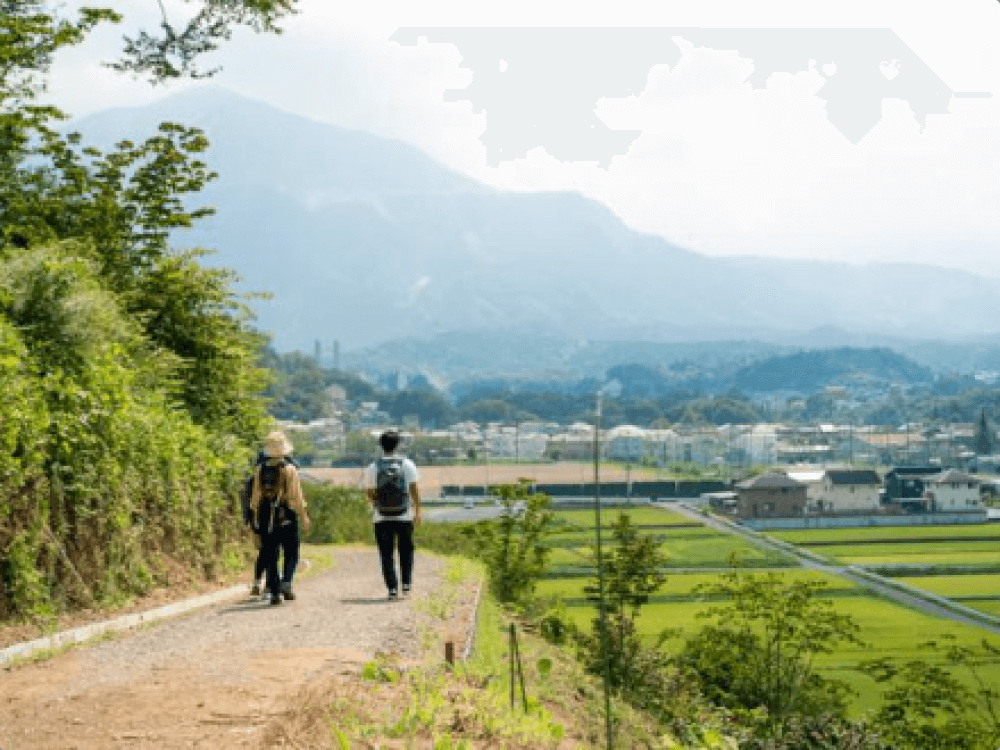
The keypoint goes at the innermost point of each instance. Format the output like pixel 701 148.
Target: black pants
pixel 269 543
pixel 386 534
pixel 285 538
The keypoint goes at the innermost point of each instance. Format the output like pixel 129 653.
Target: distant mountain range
pixel 364 240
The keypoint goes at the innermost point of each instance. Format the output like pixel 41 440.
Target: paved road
pixel 884 590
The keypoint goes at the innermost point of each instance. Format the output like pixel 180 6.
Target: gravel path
pixel 211 679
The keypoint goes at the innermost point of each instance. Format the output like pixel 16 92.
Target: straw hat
pixel 277 445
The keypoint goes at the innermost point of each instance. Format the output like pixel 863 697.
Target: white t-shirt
pixel 371 482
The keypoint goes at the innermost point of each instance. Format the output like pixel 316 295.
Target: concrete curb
pixel 118 624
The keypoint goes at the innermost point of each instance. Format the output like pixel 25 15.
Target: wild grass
pixel 467 706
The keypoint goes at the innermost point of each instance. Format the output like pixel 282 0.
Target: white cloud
pixel 719 167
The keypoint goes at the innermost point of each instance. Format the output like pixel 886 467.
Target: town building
pixel 952 491
pixel 771 496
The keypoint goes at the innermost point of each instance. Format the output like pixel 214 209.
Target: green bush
pixel 338 514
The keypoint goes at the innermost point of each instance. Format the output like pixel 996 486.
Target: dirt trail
pixel 214 678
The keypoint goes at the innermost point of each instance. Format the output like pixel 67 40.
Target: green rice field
pixel 958 585
pixel 917 553
pixel 989 607
pixel 564 538
pixel 640 516
pixel 716 551
pixel 685 583
pixel 888 630
pixel 863 535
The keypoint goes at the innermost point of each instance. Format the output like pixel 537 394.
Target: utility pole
pixel 517 441
pixel 600 573
pixel 852 441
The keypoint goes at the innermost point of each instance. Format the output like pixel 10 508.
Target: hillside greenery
pixel 128 368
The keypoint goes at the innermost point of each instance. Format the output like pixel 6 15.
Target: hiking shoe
pixel 393 595
pixel 286 589
pixel 275 598
pixel 255 589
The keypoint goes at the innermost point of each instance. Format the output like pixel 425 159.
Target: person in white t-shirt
pixel 391 491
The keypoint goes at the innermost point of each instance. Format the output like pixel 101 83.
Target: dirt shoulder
pixel 216 677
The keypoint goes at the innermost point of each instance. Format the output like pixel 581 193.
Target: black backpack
pixel 391 495
pixel 270 513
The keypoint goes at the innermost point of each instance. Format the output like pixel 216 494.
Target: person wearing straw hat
pixel 278 506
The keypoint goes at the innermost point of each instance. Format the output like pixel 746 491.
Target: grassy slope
pixel 467 706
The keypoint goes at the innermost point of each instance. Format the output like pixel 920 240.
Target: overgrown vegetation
pixel 127 367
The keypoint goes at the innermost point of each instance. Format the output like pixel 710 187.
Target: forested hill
pixel 809 371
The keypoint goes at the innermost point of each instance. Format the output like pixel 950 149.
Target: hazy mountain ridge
pixel 364 239
pixel 533 359
pixel 807 372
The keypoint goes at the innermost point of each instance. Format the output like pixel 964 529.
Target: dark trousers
pixel 269 543
pixel 288 541
pixel 285 538
pixel 386 535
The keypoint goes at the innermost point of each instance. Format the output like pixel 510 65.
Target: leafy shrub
pixel 339 515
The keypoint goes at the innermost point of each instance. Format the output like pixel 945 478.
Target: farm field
pixel 917 553
pixel 886 629
pixel 717 551
pixel 956 585
pixel 989 607
pixel 568 538
pixel 639 516
pixel 865 534
pixel 683 584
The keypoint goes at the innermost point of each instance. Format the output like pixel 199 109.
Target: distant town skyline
pixel 721 164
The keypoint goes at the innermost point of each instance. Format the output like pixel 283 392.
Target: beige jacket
pixel 289 493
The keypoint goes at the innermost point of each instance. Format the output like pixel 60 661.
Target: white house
pixel 952 490
pixel 509 442
pixel 625 443
pixel 758 444
pixel 847 490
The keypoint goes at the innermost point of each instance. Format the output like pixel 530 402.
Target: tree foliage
pixel 925 704
pixel 128 367
pixel 758 649
pixel 512 546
